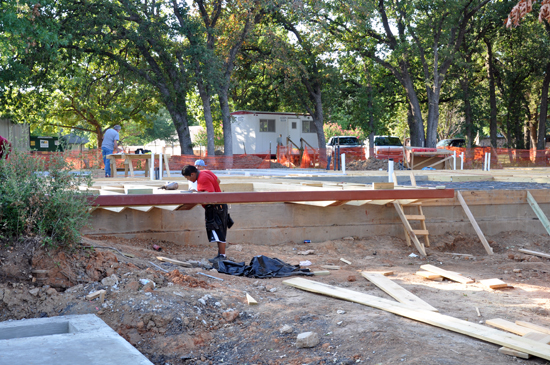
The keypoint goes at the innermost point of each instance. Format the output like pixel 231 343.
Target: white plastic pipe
pixel 160 166
pixel 485 162
pixel 462 160
pixel 343 157
pixel 454 160
pixel 152 167
pixel 390 171
pixel 489 162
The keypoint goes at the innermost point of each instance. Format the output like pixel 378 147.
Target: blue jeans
pixel 106 151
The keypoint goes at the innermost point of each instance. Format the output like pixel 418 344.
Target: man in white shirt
pixel 110 144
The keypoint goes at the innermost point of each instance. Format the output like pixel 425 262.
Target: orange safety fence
pixel 502 157
pixel 309 158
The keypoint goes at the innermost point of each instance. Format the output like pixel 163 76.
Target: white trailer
pixel 254 132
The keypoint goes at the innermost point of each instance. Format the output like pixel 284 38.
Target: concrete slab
pixel 75 340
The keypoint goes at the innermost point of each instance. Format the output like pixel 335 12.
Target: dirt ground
pixel 187 318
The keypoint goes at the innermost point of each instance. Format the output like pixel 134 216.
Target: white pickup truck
pixel 350 145
pixel 386 147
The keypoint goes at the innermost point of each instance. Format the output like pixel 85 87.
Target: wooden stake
pixel 474 223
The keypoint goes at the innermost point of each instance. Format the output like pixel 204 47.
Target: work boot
pixel 218 258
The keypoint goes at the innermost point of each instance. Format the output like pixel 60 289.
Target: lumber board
pixel 474 223
pixel 534 253
pixel 173 261
pixel 396 291
pixel 250 300
pixel 415 217
pixel 509 326
pixel 321 273
pixel 96 294
pixel 433 318
pixel 429 275
pixel 540 214
pixel 345 261
pixel 533 326
pixel 493 283
pixel 447 274
pixel 421 232
pixel 383 185
pixel 408 228
pixel 330 267
pixel 535 336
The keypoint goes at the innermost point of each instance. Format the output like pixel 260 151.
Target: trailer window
pixel 267 125
pixel 294 124
pixel 308 126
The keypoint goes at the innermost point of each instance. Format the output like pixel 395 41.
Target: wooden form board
pixel 540 214
pixel 474 223
pixel 535 253
pixel 533 326
pixel 494 283
pixel 433 318
pixel 396 291
pixel 447 274
pixel 429 275
pixel 535 336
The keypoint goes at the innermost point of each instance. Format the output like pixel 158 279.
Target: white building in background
pixel 254 132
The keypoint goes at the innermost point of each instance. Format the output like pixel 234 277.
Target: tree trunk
pixel 433 117
pixel 371 121
pixel 318 121
pixel 416 124
pixel 179 118
pixel 207 108
pixel 464 82
pixel 492 94
pixel 541 141
pixel 226 119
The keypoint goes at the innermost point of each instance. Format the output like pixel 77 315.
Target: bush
pixel 39 197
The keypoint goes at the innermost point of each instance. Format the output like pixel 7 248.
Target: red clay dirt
pixel 187 318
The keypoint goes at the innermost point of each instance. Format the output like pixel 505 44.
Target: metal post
pixel 485 162
pixel 343 156
pixel 152 167
pixel 160 166
pixel 454 160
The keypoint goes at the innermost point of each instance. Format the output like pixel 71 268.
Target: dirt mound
pixel 370 164
pixel 178 278
pixel 276 165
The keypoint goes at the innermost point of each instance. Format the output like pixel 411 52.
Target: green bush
pixel 40 197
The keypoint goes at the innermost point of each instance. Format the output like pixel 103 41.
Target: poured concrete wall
pixel 281 223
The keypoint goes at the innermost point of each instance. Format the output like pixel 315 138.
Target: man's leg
pixel 221 248
pixel 106 161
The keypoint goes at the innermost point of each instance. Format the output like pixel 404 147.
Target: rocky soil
pixel 175 315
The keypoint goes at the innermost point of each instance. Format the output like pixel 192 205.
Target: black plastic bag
pixel 261 267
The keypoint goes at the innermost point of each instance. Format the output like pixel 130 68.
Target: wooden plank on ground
pixel 419 246
pixel 429 275
pixel 250 300
pixel 447 274
pixel 396 291
pixel 173 261
pixel 540 214
pixel 474 223
pixel 330 267
pixel 509 326
pixel 535 336
pixel 534 253
pixel 433 318
pixel 494 283
pixel 533 326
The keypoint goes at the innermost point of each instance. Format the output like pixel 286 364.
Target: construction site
pixel 435 267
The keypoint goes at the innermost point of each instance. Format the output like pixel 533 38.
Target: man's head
pixel 190 173
pixel 200 165
pixel 117 128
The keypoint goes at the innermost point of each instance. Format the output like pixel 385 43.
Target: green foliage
pixel 161 127
pixel 41 199
pixel 333 129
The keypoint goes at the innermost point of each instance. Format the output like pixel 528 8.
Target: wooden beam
pixel 474 223
pixel 173 261
pixel 429 275
pixel 540 214
pixel 435 319
pixel 534 253
pixel 408 229
pixel 493 283
pixel 509 326
pixel 448 274
pixel 396 291
pixel 533 326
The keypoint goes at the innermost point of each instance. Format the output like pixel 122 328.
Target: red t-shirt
pixel 207 181
pixel 5 147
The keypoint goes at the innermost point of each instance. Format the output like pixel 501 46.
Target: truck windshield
pixel 387 141
pixel 347 141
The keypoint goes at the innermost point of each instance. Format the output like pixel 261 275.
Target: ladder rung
pixel 421 232
pixel 415 217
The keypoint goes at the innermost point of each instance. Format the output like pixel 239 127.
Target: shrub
pixel 40 197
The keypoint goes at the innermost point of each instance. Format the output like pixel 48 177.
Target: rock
pixel 110 280
pixel 339 311
pixel 308 252
pixel 517 270
pixel 51 291
pixel 74 289
pixel 238 248
pixel 34 291
pixel 230 316
pixel 349 238
pixel 352 278
pixel 132 285
pixel 307 339
pixel 273 290
pixel 149 287
pixel 286 329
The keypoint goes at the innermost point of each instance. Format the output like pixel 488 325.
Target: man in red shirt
pixel 215 215
pixel 5 148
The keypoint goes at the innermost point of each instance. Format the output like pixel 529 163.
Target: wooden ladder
pixel 423 231
pixel 410 233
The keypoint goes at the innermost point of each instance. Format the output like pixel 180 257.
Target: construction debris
pixel 250 300
pixel 494 283
pixel 447 274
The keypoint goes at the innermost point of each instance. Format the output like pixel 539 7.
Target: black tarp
pixel 261 267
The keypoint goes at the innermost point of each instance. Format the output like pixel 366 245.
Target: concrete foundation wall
pixel 282 223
